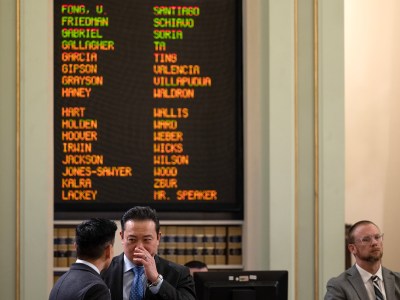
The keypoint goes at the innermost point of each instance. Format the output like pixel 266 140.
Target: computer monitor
pixel 241 285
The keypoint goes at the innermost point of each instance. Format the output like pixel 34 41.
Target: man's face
pixel 140 233
pixel 367 252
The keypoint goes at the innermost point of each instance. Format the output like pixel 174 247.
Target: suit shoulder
pixel 98 291
pixel 387 271
pixel 115 267
pixel 335 280
pixel 340 278
pixel 117 259
pixel 116 262
pixel 395 274
pixel 172 264
pixel 169 267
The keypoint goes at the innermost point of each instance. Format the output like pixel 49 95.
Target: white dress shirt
pixel 366 277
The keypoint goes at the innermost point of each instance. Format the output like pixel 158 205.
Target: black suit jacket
pixel 349 285
pixel 177 284
pixel 80 282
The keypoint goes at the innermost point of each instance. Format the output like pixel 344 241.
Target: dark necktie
pixel 377 289
pixel 137 284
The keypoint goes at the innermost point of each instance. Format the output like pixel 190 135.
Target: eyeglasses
pixel 367 240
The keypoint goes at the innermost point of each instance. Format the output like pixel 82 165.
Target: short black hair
pixel 141 213
pixel 350 235
pixel 196 264
pixel 93 236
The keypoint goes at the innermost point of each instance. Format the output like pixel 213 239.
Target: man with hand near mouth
pixel 139 273
pixel 367 279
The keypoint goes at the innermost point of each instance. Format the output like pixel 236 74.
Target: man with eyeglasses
pixel 367 278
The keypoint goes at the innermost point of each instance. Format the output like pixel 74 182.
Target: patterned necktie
pixel 137 288
pixel 377 289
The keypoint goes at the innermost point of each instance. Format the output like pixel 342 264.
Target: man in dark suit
pixel 94 248
pixel 161 279
pixel 367 279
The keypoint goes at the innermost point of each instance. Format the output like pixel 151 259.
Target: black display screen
pixel 242 285
pixel 148 105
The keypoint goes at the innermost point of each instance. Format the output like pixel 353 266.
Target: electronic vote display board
pixel 148 105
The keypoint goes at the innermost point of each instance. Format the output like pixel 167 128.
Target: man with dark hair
pixel 139 273
pixel 196 266
pixel 94 248
pixel 367 279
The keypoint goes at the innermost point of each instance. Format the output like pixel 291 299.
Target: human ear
pixel 108 251
pixel 352 248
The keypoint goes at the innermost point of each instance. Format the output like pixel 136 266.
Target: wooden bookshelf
pixel 218 243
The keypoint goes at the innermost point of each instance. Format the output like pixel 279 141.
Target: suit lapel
pixel 119 280
pixel 357 283
pixel 388 280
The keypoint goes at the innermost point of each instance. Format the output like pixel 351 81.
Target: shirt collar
pixel 365 275
pixel 81 261
pixel 128 265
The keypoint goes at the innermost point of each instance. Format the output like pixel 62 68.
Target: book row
pixel 214 245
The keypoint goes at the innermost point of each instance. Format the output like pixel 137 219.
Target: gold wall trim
pixel 18 152
pixel 296 147
pixel 316 154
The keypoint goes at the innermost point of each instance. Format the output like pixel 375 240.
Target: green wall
pixel 7 147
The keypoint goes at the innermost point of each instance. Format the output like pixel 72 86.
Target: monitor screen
pixel 241 285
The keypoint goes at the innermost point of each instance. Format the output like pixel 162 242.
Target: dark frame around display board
pixel 148 108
